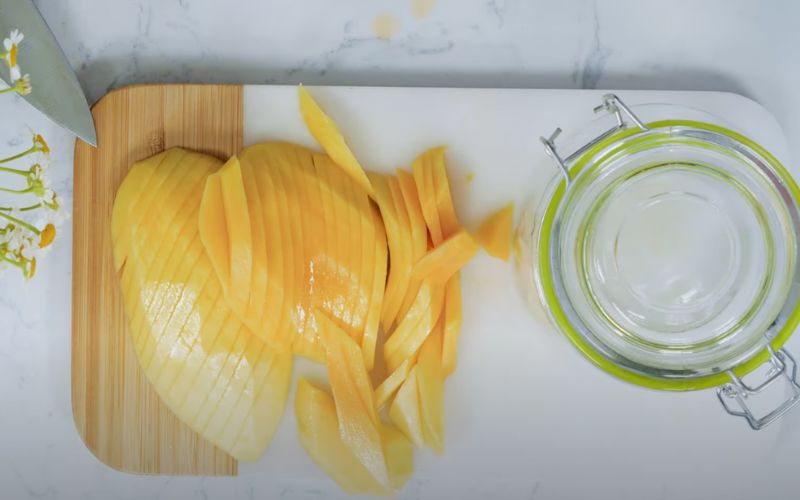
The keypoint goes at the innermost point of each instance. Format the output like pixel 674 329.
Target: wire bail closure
pixel 737 391
pixel 611 104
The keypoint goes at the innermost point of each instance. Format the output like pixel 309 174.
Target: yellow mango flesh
pixel 399 452
pixel 240 235
pixel 414 328
pixel 215 234
pixel 419 233
pixel 441 263
pixel 430 384
pixel 392 383
pixel 444 200
pixel 494 233
pixel 370 338
pixel 405 411
pixel 327 134
pixel 318 430
pixel 452 324
pixel 206 366
pixel 422 167
pixel 397 236
pixel 312 235
pixel 359 425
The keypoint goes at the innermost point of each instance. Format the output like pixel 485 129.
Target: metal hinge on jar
pixel 611 104
pixel 737 391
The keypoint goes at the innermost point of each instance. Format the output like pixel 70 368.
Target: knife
pixel 56 91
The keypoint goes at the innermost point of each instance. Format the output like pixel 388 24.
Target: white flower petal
pixel 15 73
pixel 7 44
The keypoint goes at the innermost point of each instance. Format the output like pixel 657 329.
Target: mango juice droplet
pixel 385 25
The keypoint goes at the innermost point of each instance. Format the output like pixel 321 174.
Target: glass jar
pixel 667 251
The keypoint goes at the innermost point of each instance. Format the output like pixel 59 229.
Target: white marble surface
pixel 747 47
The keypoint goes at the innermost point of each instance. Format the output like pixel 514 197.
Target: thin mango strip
pixel 452 324
pixel 352 393
pixel 390 385
pixel 422 167
pixel 430 384
pixel 327 134
pixel 419 234
pixel 415 326
pixel 444 261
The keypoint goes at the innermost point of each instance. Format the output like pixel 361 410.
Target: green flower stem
pixel 19 263
pixel 23 209
pixel 22 223
pixel 30 150
pixel 16 191
pixel 23 173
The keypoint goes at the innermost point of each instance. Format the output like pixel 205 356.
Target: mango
pixel 494 233
pixel 327 134
pixel 430 384
pixel 441 263
pixel 452 324
pixel 405 411
pixel 206 366
pixel 355 404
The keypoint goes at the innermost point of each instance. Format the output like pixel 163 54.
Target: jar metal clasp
pixel 611 104
pixel 736 392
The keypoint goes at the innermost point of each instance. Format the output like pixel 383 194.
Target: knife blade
pixel 55 88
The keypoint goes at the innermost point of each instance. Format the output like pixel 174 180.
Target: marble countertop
pixel 747 47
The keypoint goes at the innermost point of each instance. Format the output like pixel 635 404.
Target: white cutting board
pixel 526 414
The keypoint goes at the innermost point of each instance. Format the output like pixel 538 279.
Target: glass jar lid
pixel 669 252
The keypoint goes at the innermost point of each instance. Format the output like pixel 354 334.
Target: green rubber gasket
pixel 559 317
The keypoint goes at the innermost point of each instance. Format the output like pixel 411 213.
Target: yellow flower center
pixel 12 55
pixel 47 236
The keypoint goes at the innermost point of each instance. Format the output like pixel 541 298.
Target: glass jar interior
pixel 673 252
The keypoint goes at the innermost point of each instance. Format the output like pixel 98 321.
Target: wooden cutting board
pixel 517 408
pixel 118 415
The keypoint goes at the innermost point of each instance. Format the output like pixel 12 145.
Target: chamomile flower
pixel 11 44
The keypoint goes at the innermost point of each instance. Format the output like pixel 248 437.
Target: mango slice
pixel 214 229
pixel 306 235
pixel 405 411
pixel 207 367
pixel 355 404
pixel 422 167
pixel 399 453
pixel 392 383
pixel 415 326
pixel 369 340
pixel 430 384
pixel 240 236
pixel 494 233
pixel 419 233
pixel 445 260
pixel 452 324
pixel 397 236
pixel 328 136
pixel 444 200
pixel 318 430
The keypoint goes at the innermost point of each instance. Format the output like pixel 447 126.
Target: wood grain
pixel 119 416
